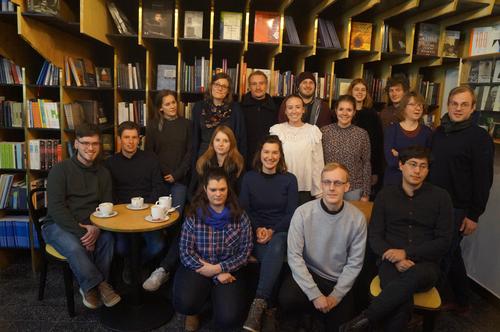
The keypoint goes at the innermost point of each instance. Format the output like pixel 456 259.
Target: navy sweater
pixel 269 200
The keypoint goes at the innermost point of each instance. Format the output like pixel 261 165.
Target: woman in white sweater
pixel 302 148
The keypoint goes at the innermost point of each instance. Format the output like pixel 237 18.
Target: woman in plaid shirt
pixel 216 241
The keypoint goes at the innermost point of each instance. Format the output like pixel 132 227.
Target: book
pixel 73 113
pixel 89 76
pixel 428 39
pixel 484 71
pixel 474 72
pixel 122 23
pixel 324 39
pixel 484 40
pixel 157 19
pixel 193 24
pixel 50 7
pixel 230 25
pixel 267 27
pixel 397 40
pixel 361 36
pixel 166 77
pixel 496 74
pixel 103 77
pixel 491 98
pixel 291 36
pixel 451 41
pixel 333 34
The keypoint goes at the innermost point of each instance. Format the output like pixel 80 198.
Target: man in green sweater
pixel 326 247
pixel 75 188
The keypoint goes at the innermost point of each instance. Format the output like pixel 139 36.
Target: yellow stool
pixel 428 302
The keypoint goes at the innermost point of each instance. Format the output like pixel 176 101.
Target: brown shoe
pixel 91 298
pixel 192 323
pixel 108 296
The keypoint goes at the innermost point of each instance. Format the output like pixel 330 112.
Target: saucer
pixel 131 207
pixel 171 210
pixel 99 215
pixel 150 219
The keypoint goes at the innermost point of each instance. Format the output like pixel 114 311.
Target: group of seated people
pixel 286 204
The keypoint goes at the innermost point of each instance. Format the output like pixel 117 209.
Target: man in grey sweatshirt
pixel 326 247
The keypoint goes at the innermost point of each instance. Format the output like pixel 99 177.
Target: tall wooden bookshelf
pixel 85 29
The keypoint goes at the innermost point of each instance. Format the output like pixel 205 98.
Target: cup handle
pixel 97 209
pixel 157 203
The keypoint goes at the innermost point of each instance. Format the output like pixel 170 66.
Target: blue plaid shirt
pixel 229 247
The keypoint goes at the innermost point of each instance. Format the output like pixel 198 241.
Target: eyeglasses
pixel 336 183
pixel 416 105
pixel 220 86
pixel 87 145
pixel 457 105
pixel 413 164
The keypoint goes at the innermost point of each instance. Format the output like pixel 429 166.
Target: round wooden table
pixel 140 310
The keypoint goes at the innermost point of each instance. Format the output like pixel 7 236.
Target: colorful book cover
pixel 230 25
pixel 451 43
pixel 428 39
pixel 361 36
pixel 157 19
pixel 267 27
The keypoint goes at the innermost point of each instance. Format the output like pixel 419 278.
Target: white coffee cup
pixel 137 202
pixel 105 209
pixel 158 212
pixel 165 202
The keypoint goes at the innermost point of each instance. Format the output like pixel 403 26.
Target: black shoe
pixel 358 324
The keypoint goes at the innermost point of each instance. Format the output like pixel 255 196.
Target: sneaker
pixel 91 298
pixel 254 318
pixel 358 324
pixel 192 323
pixel 108 296
pixel 269 321
pixel 156 279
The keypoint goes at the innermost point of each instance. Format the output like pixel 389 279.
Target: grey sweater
pixel 330 245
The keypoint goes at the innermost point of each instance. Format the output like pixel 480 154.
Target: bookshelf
pixel 85 29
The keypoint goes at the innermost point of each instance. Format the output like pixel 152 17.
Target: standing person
pixel 321 280
pixel 75 187
pixel 302 148
pixel 410 231
pixel 463 165
pixel 216 241
pixel 366 117
pixel 169 136
pixel 218 108
pixel 269 194
pixel 135 173
pixel 260 113
pixel 397 86
pixel 349 145
pixel 316 110
pixel 409 131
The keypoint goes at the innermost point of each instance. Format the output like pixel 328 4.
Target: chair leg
pixel 68 286
pixel 43 279
pixel 429 321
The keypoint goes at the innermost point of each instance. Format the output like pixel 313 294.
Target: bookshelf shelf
pixel 13 170
pixel 193 41
pixel 15 211
pixel 393 55
pixel 328 50
pixel 481 57
pixel 10 17
pixel 262 45
pixel 118 36
pixel 88 88
pixel 37 86
pixel 417 57
pixel 12 128
pixel 54 130
pixel 6 85
pixel 56 21
pixel 362 53
pixel 131 90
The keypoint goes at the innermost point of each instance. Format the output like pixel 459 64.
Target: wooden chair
pixel 50 254
pixel 365 207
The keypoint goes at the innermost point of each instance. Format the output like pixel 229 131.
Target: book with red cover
pixel 267 27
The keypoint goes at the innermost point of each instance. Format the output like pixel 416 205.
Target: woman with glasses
pixel 217 108
pixel 269 194
pixel 409 131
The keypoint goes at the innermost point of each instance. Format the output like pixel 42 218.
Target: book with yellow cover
pixel 361 36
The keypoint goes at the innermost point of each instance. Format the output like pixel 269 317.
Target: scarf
pixel 450 126
pixel 215 219
pixel 214 115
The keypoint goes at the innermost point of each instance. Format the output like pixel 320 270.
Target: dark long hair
pixel 200 200
pixel 257 162
pixel 157 116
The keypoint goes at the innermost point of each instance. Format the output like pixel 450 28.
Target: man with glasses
pixel 410 231
pixel 326 247
pixel 463 166
pixel 75 188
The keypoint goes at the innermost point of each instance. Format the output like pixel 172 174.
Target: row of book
pixel 134 111
pixel 7 7
pixel 194 78
pixel 44 153
pixel 11 113
pixel 429 90
pixel 290 33
pixel 376 86
pixel 14 232
pixel 84 111
pixel 13 191
pixel 131 76
pixel 327 36
pixel 12 155
pixel 10 73
pixel 49 75
pixel 394 40
pixel 81 72
pixel 43 6
pixel 488 98
pixel 43 114
pixel 484 72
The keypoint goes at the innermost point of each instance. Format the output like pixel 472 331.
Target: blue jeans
pixel 178 192
pixel 89 268
pixel 154 244
pixel 271 256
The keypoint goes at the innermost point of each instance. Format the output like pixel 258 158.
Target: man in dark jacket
pixel 410 231
pixel 259 111
pixel 75 188
pixel 463 165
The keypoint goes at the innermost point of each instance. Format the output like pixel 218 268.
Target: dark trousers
pixel 171 259
pixel 229 301
pixel 453 267
pixel 394 305
pixel 294 302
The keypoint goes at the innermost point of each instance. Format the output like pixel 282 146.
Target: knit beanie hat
pixel 305 75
